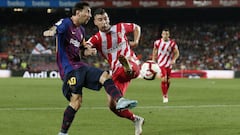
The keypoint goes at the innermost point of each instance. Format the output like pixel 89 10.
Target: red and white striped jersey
pixel 113 43
pixel 165 52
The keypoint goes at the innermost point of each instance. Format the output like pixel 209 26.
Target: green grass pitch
pixel 196 107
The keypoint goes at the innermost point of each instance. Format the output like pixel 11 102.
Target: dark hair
pixel 79 6
pixel 99 11
pixel 165 29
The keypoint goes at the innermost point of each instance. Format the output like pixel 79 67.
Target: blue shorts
pixel 85 76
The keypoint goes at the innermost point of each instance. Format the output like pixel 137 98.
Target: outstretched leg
pixel 115 93
pixel 137 120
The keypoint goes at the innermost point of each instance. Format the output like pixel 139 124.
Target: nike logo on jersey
pixel 73 32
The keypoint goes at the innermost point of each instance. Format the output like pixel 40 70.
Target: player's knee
pixel 164 79
pixel 105 76
pixel 76 102
pixel 168 80
pixel 75 105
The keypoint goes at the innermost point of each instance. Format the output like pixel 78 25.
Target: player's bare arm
pixel 50 32
pixel 136 36
pixel 88 49
pixel 154 54
pixel 175 56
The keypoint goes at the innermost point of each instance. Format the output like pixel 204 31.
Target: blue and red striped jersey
pixel 68 43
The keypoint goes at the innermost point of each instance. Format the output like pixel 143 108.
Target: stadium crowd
pixel 203 46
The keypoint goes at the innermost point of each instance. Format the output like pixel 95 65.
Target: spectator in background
pixel 40 49
pixel 192 37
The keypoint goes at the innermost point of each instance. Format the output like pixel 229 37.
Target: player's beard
pixel 106 28
pixel 87 20
pixel 166 39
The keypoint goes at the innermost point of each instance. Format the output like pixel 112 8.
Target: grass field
pixel 196 107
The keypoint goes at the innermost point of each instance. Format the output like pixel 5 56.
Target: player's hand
pixel 173 62
pixel 133 43
pixel 90 51
pixel 49 33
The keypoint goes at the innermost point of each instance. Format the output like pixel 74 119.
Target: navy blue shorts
pixel 85 76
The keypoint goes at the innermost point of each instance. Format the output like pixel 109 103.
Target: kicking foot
pixel 124 61
pixel 124 104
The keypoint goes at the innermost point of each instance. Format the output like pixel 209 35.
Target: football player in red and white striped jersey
pixel 165 53
pixel 112 43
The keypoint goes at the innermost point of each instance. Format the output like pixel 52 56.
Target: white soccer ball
pixel 149 70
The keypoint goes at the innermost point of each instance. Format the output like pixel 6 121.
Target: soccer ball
pixel 149 70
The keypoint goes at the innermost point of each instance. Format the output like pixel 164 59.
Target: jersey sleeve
pixel 156 43
pixel 61 27
pixel 94 41
pixel 129 27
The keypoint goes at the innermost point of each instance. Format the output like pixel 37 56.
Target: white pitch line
pixel 188 106
pixel 103 108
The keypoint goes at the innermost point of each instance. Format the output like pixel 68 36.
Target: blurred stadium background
pixel 207 33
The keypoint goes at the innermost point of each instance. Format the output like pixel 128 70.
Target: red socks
pixel 124 114
pixel 164 86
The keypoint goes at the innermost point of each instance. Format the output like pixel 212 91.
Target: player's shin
pixel 68 117
pixel 112 90
pixel 164 88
